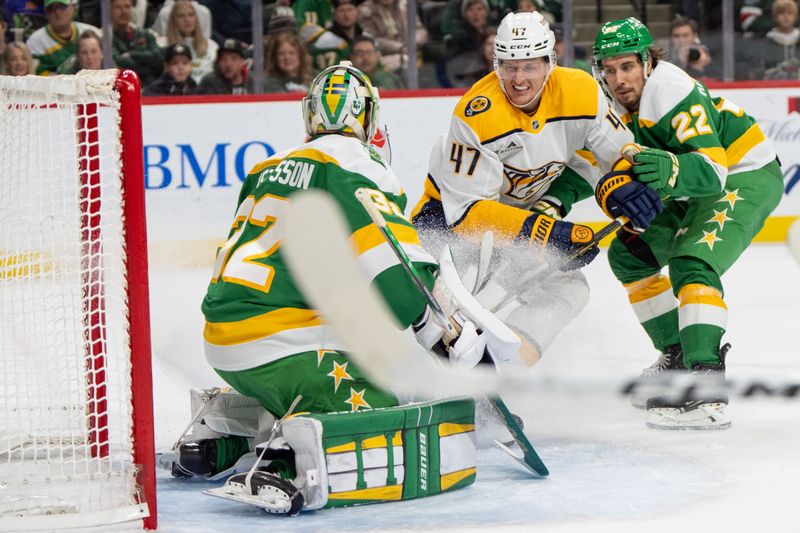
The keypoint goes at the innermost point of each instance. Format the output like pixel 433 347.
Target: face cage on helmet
pixel 551 61
pixel 370 105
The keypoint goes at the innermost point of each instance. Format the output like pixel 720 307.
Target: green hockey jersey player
pixel 346 441
pixel 719 179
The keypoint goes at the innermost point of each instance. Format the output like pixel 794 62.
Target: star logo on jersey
pixel 321 354
pixel 356 400
pixel 524 184
pixel 477 105
pixel 731 197
pixel 709 238
pixel 720 217
pixel 339 373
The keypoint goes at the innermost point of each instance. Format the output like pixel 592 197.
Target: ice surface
pixel 608 471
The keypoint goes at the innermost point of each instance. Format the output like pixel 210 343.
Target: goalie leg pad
pixel 380 455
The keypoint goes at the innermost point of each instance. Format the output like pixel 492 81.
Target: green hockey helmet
pixel 621 37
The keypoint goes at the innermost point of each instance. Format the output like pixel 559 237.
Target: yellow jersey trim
pixel 305 153
pixel 370 236
pixel 746 142
pixel 260 326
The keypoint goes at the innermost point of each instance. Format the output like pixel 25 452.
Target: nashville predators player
pixel 525 143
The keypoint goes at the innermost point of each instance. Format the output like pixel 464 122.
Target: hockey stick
pixel 323 265
pixel 530 459
pixel 365 198
pixel 484 261
pixel 548 269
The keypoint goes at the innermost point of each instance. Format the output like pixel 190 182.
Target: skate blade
pixel 275 506
pixel 705 417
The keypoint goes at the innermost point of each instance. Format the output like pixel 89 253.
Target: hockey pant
pixel 381 455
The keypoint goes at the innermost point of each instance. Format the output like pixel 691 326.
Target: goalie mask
pixel 341 99
pixel 520 38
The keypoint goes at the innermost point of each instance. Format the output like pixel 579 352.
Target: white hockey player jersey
pixel 497 154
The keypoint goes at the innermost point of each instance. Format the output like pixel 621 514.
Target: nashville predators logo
pixel 523 184
pixel 479 104
pixel 518 32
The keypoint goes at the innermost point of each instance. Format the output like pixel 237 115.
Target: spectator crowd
pixel 181 47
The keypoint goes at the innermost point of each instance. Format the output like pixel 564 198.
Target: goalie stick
pixel 323 264
pixel 529 459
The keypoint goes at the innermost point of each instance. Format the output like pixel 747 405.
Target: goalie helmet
pixel 621 37
pixel 341 99
pixel 524 36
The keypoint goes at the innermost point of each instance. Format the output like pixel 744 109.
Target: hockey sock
pixel 703 316
pixel 656 308
pixel 229 450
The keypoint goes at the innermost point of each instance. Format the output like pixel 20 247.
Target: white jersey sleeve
pixel 607 136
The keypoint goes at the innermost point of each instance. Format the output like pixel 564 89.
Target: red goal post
pixel 76 408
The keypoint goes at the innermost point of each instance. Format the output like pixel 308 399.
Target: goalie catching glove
pixel 478 332
pixel 618 194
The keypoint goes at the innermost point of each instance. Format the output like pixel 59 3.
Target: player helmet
pixel 524 36
pixel 341 99
pixel 621 37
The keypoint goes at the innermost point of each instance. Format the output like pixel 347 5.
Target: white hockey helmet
pixel 341 99
pixel 524 36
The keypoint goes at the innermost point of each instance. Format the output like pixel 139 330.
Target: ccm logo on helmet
pixel 479 104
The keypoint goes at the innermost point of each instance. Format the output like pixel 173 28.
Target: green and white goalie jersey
pixel 254 312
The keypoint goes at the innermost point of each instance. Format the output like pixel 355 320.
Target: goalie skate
pixel 266 490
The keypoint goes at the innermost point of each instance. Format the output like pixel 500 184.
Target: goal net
pixel 76 439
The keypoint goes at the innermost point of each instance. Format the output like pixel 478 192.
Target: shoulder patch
pixel 477 105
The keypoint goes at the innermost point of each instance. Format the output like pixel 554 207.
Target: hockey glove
pixel 656 168
pixel 618 194
pixel 566 239
pixel 465 350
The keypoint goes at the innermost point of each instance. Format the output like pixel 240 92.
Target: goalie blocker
pixel 373 456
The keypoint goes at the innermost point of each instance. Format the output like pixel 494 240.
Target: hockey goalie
pixel 339 439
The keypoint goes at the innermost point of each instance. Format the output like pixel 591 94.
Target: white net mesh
pixel 65 392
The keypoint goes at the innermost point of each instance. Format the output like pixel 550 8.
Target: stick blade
pixel 322 261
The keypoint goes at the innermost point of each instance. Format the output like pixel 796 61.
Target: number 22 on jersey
pixel 236 263
pixel 681 122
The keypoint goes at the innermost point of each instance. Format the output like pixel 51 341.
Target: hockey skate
pixel 670 359
pixel 691 412
pixel 263 489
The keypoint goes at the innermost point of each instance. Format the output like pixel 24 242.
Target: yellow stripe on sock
pixel 695 293
pixel 650 287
